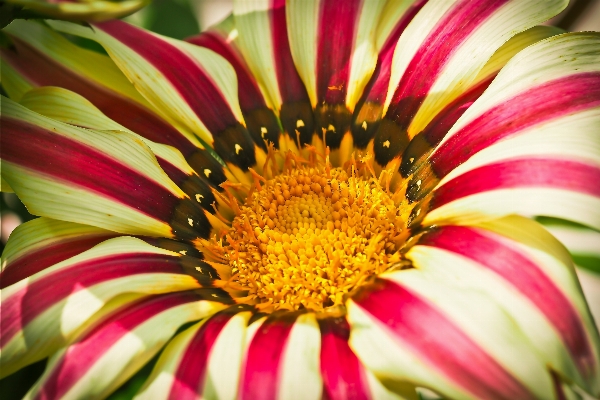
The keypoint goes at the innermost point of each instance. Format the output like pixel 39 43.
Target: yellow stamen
pixel 309 236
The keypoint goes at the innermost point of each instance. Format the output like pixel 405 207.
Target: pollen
pixel 309 237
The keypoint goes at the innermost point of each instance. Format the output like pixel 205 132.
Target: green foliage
pixel 173 18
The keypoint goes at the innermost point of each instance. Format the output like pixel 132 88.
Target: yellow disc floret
pixel 310 236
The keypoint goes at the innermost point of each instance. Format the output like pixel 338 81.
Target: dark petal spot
pixel 235 146
pixel 263 126
pixel 293 112
pixel 175 246
pixel 365 122
pixel 212 294
pixel 415 154
pixel 390 141
pixel 418 214
pixel 422 183
pixel 188 221
pixel 335 119
pixel 202 160
pixel 198 269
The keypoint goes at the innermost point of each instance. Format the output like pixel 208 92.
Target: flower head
pixel 310 199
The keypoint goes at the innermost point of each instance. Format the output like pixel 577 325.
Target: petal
pixel 42 57
pixel 282 358
pixel 547 185
pixel 415 328
pixel 106 180
pixel 334 49
pixel 548 81
pixel 116 347
pixel 262 123
pixel 41 313
pixel 197 88
pixel 69 107
pixel 43 242
pixel 440 53
pixel 95 10
pixel 543 108
pixel 203 361
pixel 394 19
pixel 263 41
pixel 344 376
pixel 13 83
pixel 539 290
pixel 4 186
pixel 333 46
pixel 421 146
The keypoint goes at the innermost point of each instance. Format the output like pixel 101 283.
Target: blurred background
pixel 182 18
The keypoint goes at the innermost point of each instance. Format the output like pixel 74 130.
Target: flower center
pixel 310 236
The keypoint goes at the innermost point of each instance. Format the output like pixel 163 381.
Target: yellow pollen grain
pixel 310 236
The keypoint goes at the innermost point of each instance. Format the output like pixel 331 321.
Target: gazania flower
pixel 314 199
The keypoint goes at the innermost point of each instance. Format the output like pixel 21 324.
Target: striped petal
pixel 395 17
pixel 204 361
pixel 456 342
pixel 541 114
pixel 282 358
pixel 69 107
pixel 110 352
pixel 440 53
pixel 263 41
pixel 109 180
pixel 261 121
pixel 344 376
pixel 43 242
pixel 40 56
pixel 43 312
pixel 421 146
pixel 529 274
pixel 334 48
pixel 196 88
pixel 94 10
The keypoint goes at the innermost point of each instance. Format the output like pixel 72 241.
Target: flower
pixel 311 199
